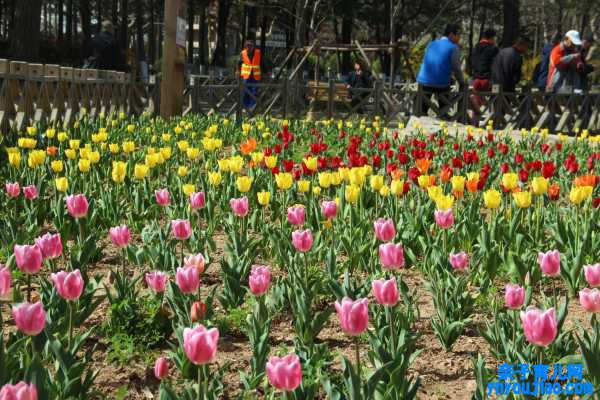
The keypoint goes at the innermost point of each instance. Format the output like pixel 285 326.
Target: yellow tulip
pixel 166 137
pixel 182 171
pixel 303 186
pixel 62 136
pixel 458 183
pixel 166 152
pixel 119 170
pixel 257 157
pixel 344 174
pixel 36 158
pixel 31 130
pixel 223 165
pixel 27 143
pixel 140 171
pixel 397 187
pixel 324 179
pixel 316 190
pixel 579 194
pixel 351 193
pixel 539 184
pixel 128 147
pixel 84 165
pixel 193 153
pixel 14 159
pixel 284 180
pixel 377 182
pixel 444 202
pixel 214 178
pixel 62 184
pixel 336 179
pixel 130 128
pixel 492 198
pixel 357 176
pixel 94 157
pixel 434 192
pixel 311 163
pixel 236 163
pixel 188 189
pixel 244 183
pixel 71 154
pixel 522 199
pixel 263 198
pixel 510 180
pixel 473 176
pixel 384 191
pixel 74 144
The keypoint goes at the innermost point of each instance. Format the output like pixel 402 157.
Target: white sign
pixel 181 32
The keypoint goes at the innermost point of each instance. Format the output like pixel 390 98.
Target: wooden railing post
pixel 378 88
pixel 284 95
pixel 330 97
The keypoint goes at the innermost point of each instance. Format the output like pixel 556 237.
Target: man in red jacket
pixel 563 63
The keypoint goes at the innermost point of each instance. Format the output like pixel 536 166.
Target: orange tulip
pixel 445 175
pixel 554 191
pixel 472 185
pixel 248 146
pixel 459 193
pixel 423 165
pixel 586 180
pixel 51 150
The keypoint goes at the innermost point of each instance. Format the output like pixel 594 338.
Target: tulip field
pixel 206 258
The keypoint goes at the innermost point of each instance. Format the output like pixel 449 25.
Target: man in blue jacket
pixel 441 61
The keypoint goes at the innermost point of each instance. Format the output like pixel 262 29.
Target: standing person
pixel 482 59
pixel 104 49
pixel 584 68
pixel 250 72
pixel 564 60
pixel 540 76
pixel 506 69
pixel 358 79
pixel 441 61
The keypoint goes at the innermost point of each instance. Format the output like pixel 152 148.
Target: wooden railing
pixel 53 95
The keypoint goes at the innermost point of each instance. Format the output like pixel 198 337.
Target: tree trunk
pixel 115 12
pixel 161 31
pixel 347 25
pixel 60 28
pixel 85 12
pixel 99 12
pixel 25 37
pixel 152 34
pixel 222 17
pixel 139 31
pixel 251 23
pixel 123 26
pixel 69 23
pixel 471 34
pixel 190 49
pixel 203 32
pixel 511 22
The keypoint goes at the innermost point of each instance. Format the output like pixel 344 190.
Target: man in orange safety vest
pixel 250 72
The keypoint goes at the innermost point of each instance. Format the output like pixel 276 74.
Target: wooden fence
pixel 54 95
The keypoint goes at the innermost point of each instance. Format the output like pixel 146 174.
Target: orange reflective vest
pixel 250 67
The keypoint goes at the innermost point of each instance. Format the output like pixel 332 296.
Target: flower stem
pixel 200 384
pixel 357 351
pixel 70 326
pixel 388 312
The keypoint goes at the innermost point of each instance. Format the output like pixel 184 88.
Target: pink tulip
pixel 302 240
pixel 181 229
pixel 20 391
pixel 5 280
pixel 196 261
pixel 12 189
pixel 329 209
pixel 200 344
pixel 120 236
pixel 187 279
pixel 197 200
pixel 384 229
pixel 157 281
pixel 514 296
pixel 161 368
pixel 163 198
pixel 29 318
pixel 296 215
pixel 540 327
pixel 592 274
pixel 590 299
pixel 444 218
pixel 30 192
pixel 354 315
pixel 28 258
pixel 50 245
pixel 386 292
pixel 459 261
pixel 77 205
pixel 549 262
pixel 284 373
pixel 259 280
pixel 391 255
pixel 69 285
pixel 239 206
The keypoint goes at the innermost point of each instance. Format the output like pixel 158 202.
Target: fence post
pixel 240 99
pixel 464 106
pixel 418 106
pixel 330 97
pixel 378 87
pixel 284 95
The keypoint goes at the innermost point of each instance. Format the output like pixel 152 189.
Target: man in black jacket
pixel 358 79
pixel 105 50
pixel 482 59
pixel 506 69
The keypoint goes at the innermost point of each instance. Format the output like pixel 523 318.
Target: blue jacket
pixel 542 75
pixel 436 69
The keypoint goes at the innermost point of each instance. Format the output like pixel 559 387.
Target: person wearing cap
pixel 563 64
pixel 441 61
pixel 250 72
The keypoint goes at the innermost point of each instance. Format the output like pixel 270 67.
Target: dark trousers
pixel 441 94
pixel 250 88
